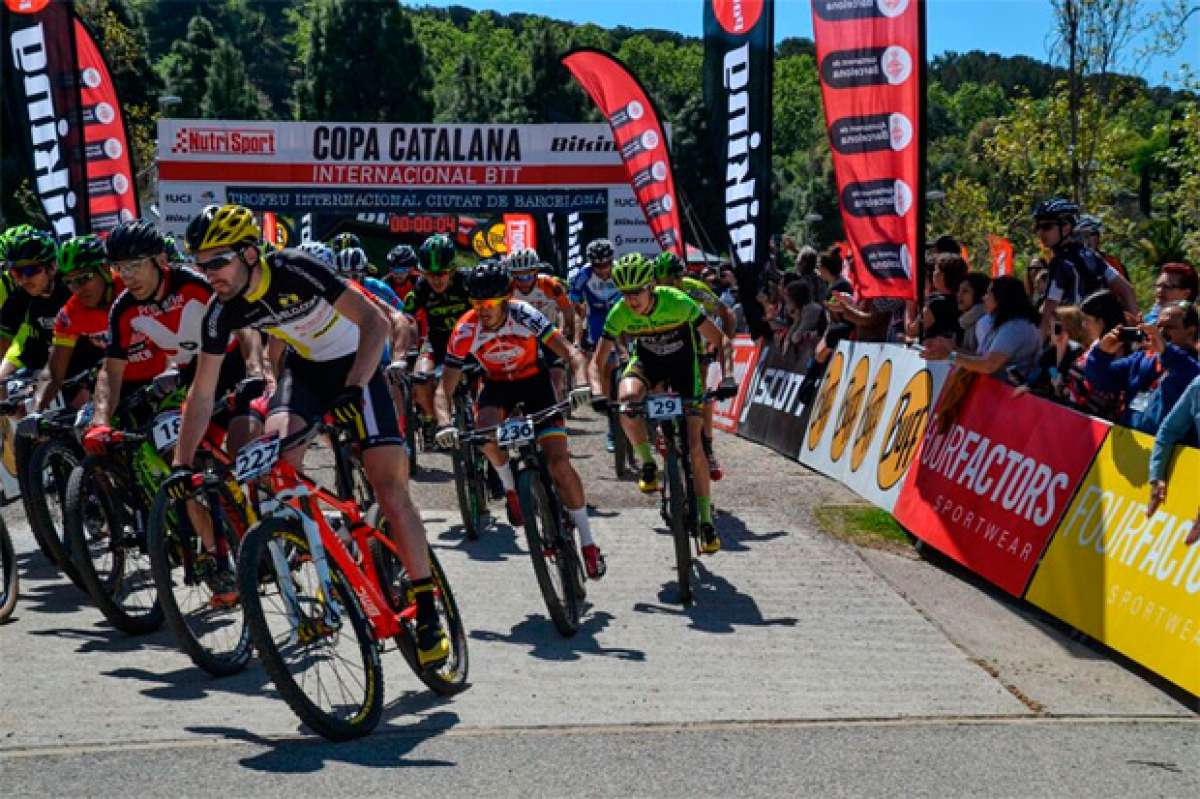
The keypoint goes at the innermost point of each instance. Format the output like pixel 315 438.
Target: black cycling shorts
pixel 533 394
pixel 681 375
pixel 307 389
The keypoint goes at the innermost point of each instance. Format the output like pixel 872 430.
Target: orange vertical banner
pixel 1000 254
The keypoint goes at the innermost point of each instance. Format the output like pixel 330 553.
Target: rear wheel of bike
pixel 554 563
pixel 214 636
pixel 676 501
pixel 44 495
pixel 326 667
pixel 352 482
pixel 108 549
pixel 10 580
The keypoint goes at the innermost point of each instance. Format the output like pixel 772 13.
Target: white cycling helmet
pixel 523 261
pixel 319 250
pixel 351 261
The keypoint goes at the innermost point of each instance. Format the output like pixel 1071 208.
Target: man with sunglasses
pixel 549 298
pixel 594 294
pixel 666 326
pixel 335 338
pixel 1075 272
pixel 506 337
pixel 27 316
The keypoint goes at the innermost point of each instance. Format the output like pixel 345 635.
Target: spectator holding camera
pixel 1181 426
pixel 1152 377
pixel 1176 282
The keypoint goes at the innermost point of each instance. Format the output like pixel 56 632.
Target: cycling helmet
pixel 437 254
pixel 599 250
pixel 523 261
pixel 136 239
pixel 30 246
pixel 223 226
pixel 401 258
pixel 10 234
pixel 1089 224
pixel 319 250
pixel 1056 209
pixel 668 265
pixel 174 253
pixel 488 280
pixel 632 272
pixel 344 241
pixel 351 262
pixel 82 254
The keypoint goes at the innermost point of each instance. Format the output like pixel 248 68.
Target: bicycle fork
pixel 316 548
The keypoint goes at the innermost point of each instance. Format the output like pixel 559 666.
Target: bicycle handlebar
pixel 485 434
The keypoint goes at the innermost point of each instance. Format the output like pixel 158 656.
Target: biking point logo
pixel 905 429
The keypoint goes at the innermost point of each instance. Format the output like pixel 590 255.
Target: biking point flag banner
pixel 870 58
pixel 639 137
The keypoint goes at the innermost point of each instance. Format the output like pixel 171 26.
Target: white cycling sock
pixel 506 476
pixel 580 517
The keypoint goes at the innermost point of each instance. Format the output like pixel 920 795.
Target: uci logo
pixel 905 429
pixel 824 403
pixel 871 416
pixel 851 404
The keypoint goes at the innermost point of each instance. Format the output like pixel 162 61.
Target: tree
pixel 464 97
pixel 185 68
pixel 228 93
pixel 361 62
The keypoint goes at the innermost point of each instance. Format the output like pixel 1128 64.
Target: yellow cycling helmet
pixel 223 226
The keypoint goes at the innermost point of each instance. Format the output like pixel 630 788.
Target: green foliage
pixel 227 90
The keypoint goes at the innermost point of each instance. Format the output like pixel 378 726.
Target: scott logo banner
pixel 870 56
pixel 639 137
pixel 773 412
pixel 988 488
pixel 1124 577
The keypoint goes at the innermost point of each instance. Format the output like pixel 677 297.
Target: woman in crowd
pixel 807 317
pixel 1068 341
pixel 1037 277
pixel 939 318
pixel 1102 312
pixel 1012 343
pixel 1181 426
pixel 970 310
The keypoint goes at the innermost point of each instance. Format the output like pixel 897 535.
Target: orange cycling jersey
pixel 509 352
pixel 547 295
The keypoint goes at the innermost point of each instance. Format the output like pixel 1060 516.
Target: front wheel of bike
pixel 470 506
pixel 676 502
pixel 554 564
pixel 44 495
pixel 212 634
pixel 10 580
pixel 316 648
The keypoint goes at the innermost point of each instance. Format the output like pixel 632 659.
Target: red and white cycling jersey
pixel 510 352
pixel 547 295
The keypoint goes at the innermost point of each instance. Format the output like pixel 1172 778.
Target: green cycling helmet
pixel 83 253
pixel 632 272
pixel 668 266
pixel 30 246
pixel 10 234
pixel 437 254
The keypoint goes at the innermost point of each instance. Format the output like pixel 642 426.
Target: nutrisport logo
pixel 224 141
pixel 737 16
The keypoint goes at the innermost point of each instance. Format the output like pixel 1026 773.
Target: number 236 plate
pixel 514 432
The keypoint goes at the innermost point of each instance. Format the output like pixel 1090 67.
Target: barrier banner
pixel 726 413
pixel 878 426
pixel 989 488
pixel 772 412
pixel 870 56
pixel 1126 579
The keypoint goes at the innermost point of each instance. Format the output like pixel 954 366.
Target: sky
pixel 1008 27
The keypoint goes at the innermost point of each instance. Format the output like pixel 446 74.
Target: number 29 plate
pixel 256 458
pixel 514 432
pixel 663 406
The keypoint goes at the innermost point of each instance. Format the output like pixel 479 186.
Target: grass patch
pixel 863 525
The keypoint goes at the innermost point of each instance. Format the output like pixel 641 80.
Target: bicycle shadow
pixel 498 542
pixel 735 535
pixel 385 747
pixel 539 634
pixel 107 640
pixel 432 474
pixel 193 683
pixel 717 605
pixel 36 566
pixel 60 596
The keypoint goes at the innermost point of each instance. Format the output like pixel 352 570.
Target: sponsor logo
pixel 177 198
pixel 872 413
pixel 875 66
pixel 224 141
pixel 46 131
pixel 581 144
pixel 888 261
pixel 624 202
pixel 208 197
pixel 574 245
pixel 779 389
pixel 439 144
pixel 90 78
pixel 737 17
pixel 823 406
pixel 877 198
pixel 854 135
pixel 905 428
pixel 852 403
pixel 741 195
pixel 182 218
pixel 26 6
pixel 840 10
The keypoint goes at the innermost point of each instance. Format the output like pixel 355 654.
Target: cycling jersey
pixel 665 348
pixel 402 287
pixel 146 334
pixel 702 295
pixel 21 308
pixel 600 294
pixel 382 291
pixel 76 321
pixel 546 294
pixel 510 352
pixel 293 302
pixel 1076 272
pixel 441 311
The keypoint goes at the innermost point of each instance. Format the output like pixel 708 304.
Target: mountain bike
pixel 10 579
pixel 469 465
pixel 623 461
pixel 667 413
pixel 549 531
pixel 320 608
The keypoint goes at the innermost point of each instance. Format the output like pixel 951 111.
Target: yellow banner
pixel 1126 579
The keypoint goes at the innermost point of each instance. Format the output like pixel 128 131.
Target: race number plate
pixel 514 432
pixel 663 406
pixel 166 430
pixel 256 458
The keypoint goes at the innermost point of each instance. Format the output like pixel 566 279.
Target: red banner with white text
pixel 639 138
pixel 727 413
pixel 987 488
pixel 869 55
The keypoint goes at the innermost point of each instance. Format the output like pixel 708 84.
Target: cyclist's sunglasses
pixel 25 269
pixel 126 268
pixel 494 302
pixel 75 282
pixel 218 261
pixel 527 275
pixel 1046 225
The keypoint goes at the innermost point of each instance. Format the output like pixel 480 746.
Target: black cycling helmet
pixel 599 250
pixel 401 258
pixel 437 254
pixel 29 246
pixel 1056 209
pixel 344 241
pixel 136 239
pixel 488 280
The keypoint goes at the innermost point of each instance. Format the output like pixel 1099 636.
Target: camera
pixel 1131 335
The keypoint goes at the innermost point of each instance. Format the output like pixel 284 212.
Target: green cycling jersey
pixel 665 340
pixel 702 295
